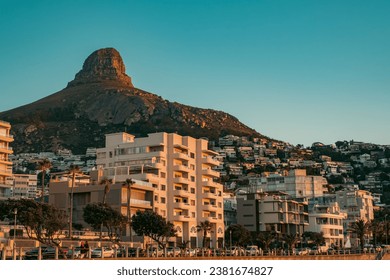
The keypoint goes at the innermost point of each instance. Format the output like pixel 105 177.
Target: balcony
pixel 181 180
pixel 6 138
pixel 138 203
pixel 181 193
pixel 210 172
pixel 157 165
pixel 209 183
pixel 210 160
pixel 6 150
pixel 209 195
pixel 6 162
pixel 209 207
pixel 181 205
pixel 181 168
pixel 146 177
pixel 5 172
pixel 181 156
pixel 182 218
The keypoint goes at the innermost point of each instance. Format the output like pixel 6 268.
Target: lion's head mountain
pixel 102 99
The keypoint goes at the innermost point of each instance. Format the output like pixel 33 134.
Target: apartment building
pixel 5 163
pixel 24 185
pixel 88 190
pixel 328 219
pixel 272 211
pixel 296 183
pixel 358 204
pixel 180 169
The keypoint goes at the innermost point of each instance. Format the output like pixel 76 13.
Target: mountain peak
pixel 102 65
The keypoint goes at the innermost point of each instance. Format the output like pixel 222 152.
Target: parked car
pixel 47 253
pixel 237 251
pixel 74 253
pixel 154 252
pixel 107 252
pixel 31 254
pixel 188 252
pixel 173 252
pixel 131 252
pixel 252 250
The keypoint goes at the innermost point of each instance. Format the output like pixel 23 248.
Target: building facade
pixel 5 163
pixel 181 171
pixel 328 219
pixel 88 190
pixel 296 184
pixel 272 211
pixel 24 186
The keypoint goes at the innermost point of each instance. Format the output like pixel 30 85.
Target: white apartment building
pixel 24 186
pixel 5 163
pixel 296 184
pixel 328 219
pixel 358 204
pixel 180 169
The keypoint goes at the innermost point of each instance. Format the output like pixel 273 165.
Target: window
pixel 163 200
pixel 192 190
pixel 192 155
pixel 192 179
pixel 163 187
pixel 163 175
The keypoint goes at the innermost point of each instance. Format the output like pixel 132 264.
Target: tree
pixel 41 221
pixel 240 236
pixel 266 238
pixel 150 224
pixel 315 237
pixel 205 228
pixel 106 182
pixel 73 170
pixel 291 240
pixel 128 183
pixel 360 228
pixel 99 214
pixel 43 165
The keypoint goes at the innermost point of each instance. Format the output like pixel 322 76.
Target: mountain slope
pixel 102 99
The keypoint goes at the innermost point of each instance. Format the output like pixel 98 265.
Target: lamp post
pixel 230 232
pixel 387 228
pixel 15 214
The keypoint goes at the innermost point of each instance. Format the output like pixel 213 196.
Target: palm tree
pixel 291 240
pixel 360 228
pixel 128 183
pixel 43 165
pixel 106 182
pixel 73 170
pixel 205 227
pixel 266 238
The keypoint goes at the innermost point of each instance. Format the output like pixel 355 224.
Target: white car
pixel 252 250
pixel 107 252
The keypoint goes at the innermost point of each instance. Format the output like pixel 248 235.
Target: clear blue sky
pixel 298 71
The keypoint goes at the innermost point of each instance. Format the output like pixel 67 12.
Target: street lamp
pixel 387 228
pixel 15 213
pixel 230 232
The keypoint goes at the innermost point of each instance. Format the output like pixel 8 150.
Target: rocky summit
pixel 102 99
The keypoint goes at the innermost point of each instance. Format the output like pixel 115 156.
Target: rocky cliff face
pixel 101 65
pixel 101 99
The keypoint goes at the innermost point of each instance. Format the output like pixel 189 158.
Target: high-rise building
pixel 297 184
pixel 180 169
pixel 5 163
pixel 272 211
